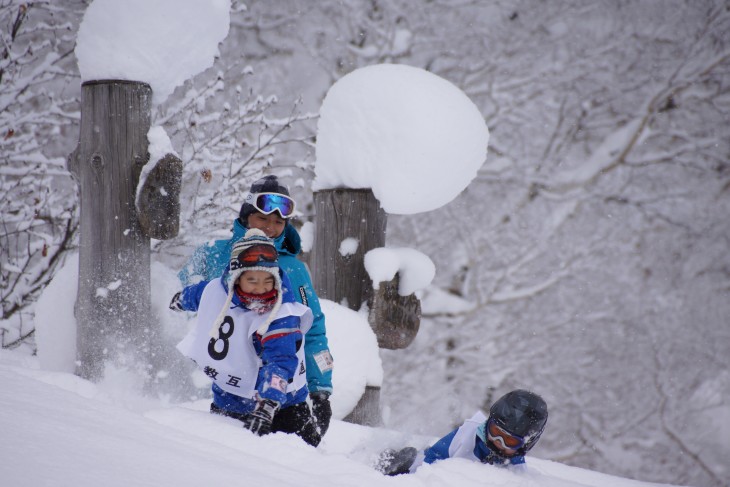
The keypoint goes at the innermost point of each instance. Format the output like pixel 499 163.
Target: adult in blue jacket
pixel 268 207
pixel 515 423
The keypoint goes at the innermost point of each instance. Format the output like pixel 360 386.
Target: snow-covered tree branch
pixel 37 107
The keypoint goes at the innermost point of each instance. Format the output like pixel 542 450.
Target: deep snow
pixel 61 430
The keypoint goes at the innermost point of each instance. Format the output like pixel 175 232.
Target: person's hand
pixel 392 462
pixel 321 410
pixel 176 302
pixel 259 421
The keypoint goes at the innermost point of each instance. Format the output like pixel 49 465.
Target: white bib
pixel 462 445
pixel 231 361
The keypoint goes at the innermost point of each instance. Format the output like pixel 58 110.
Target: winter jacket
pixel 210 260
pixel 245 363
pixel 465 442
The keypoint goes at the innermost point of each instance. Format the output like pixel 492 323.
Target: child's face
pixel 256 282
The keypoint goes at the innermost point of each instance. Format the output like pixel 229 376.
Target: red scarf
pixel 260 303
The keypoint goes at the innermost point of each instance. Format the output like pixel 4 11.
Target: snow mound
pixel 356 355
pixel 71 432
pixel 55 322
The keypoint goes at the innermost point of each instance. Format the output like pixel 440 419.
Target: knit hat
pixel 254 252
pixel 266 184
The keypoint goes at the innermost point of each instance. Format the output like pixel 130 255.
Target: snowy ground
pixel 60 430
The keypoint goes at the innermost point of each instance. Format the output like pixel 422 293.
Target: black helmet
pixel 521 413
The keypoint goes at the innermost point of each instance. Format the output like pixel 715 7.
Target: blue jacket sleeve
pixel 440 449
pixel 207 262
pixel 318 357
pixel 279 357
pixel 190 296
pixel 317 352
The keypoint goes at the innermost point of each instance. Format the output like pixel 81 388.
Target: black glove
pixel 321 410
pixel 259 421
pixel 392 462
pixel 176 303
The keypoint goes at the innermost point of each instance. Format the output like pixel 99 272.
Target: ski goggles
pixel 268 203
pixel 500 436
pixel 254 255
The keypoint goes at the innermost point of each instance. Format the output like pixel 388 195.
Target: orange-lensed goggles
pixel 506 439
pixel 256 254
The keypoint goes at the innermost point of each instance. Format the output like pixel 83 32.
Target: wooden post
pixel 356 213
pixel 341 214
pixel 113 302
pixel 395 319
pixel 345 213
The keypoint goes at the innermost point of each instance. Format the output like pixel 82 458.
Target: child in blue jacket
pixel 515 423
pixel 269 207
pixel 249 341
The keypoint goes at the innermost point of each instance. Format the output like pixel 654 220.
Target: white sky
pixel 394 128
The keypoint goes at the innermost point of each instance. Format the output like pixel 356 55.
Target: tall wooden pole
pixel 342 214
pixel 356 214
pixel 346 213
pixel 113 302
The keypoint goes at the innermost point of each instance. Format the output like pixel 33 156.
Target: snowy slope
pixel 60 430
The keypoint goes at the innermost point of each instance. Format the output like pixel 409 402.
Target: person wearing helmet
pixel 269 208
pixel 515 423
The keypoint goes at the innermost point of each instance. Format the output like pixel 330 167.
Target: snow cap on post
pixel 416 269
pixel 125 40
pixel 412 137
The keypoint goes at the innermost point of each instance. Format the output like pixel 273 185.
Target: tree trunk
pixel 113 303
